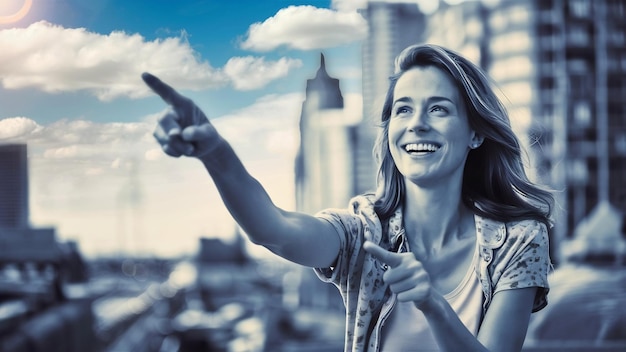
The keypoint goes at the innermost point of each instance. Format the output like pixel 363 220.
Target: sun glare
pixel 6 7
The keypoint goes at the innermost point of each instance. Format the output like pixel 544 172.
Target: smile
pixel 413 148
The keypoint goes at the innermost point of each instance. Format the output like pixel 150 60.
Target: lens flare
pixel 23 11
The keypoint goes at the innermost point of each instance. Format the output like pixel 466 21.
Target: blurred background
pixel 105 245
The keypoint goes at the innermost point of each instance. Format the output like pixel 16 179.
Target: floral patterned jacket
pixel 513 255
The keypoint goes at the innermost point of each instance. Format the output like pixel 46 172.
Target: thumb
pixel 390 258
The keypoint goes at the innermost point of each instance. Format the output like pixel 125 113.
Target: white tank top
pixel 406 329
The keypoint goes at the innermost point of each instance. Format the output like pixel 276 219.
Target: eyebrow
pixel 432 99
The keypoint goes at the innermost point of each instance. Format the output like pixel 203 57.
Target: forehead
pixel 423 82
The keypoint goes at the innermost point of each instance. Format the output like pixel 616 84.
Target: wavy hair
pixel 495 184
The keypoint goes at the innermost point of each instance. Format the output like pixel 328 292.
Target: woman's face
pixel 429 133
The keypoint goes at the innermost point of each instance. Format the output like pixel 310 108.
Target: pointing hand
pixel 185 129
pixel 406 276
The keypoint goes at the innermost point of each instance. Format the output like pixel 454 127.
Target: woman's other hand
pixel 405 275
pixel 185 129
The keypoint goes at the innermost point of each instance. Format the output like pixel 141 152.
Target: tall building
pixel 324 175
pixel 324 164
pixel 563 63
pixel 19 241
pixel 13 186
pixel 392 27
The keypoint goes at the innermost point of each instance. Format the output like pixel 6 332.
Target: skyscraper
pixel 324 173
pixel 20 242
pixel 324 165
pixel 14 186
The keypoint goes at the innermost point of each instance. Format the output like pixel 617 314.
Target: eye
pixel 438 110
pixel 401 110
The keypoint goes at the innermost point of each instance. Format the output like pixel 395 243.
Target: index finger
pixel 165 91
pixel 390 258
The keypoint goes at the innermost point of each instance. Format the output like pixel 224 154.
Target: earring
pixel 475 145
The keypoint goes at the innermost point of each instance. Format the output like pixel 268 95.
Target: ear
pixel 476 140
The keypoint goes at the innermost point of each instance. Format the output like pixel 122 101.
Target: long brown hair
pixel 495 184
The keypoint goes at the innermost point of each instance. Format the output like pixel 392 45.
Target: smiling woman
pixel 7 13
pixel 440 257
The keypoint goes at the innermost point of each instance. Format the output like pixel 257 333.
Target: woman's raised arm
pixel 298 237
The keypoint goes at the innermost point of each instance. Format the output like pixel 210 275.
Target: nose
pixel 419 122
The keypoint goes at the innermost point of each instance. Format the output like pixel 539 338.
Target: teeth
pixel 421 147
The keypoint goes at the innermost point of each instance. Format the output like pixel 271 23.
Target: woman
pixel 450 254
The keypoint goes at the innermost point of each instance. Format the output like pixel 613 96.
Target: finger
pixel 172 145
pixel 403 279
pixel 166 92
pixel 400 286
pixel 169 124
pixel 160 135
pixel 204 132
pixel 416 295
pixel 167 149
pixel 179 147
pixel 168 134
pixel 385 256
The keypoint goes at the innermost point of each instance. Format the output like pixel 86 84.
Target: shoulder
pixel 526 242
pixel 495 234
pixel 529 232
pixel 359 216
pixel 359 206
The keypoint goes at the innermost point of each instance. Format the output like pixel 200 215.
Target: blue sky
pixel 70 87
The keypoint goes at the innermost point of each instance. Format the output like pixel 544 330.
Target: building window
pixel 547 111
pixel 578 66
pixel 511 42
pixel 474 28
pixel 577 171
pixel 518 93
pixel 513 67
pixel 578 35
pixel 497 21
pixel 519 14
pixel 545 4
pixel 620 143
pixel 547 82
pixel 616 38
pixel 579 8
pixel 582 114
pixel 547 29
pixel 616 9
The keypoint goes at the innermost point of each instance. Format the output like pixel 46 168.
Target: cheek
pixel 393 132
pixel 393 136
pixel 457 132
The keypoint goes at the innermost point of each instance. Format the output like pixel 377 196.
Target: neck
pixel 434 216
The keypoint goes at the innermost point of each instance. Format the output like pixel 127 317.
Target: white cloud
pixel 305 28
pixel 94 171
pixel 57 59
pixel 62 153
pixel 152 154
pixel 247 73
pixel 16 127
